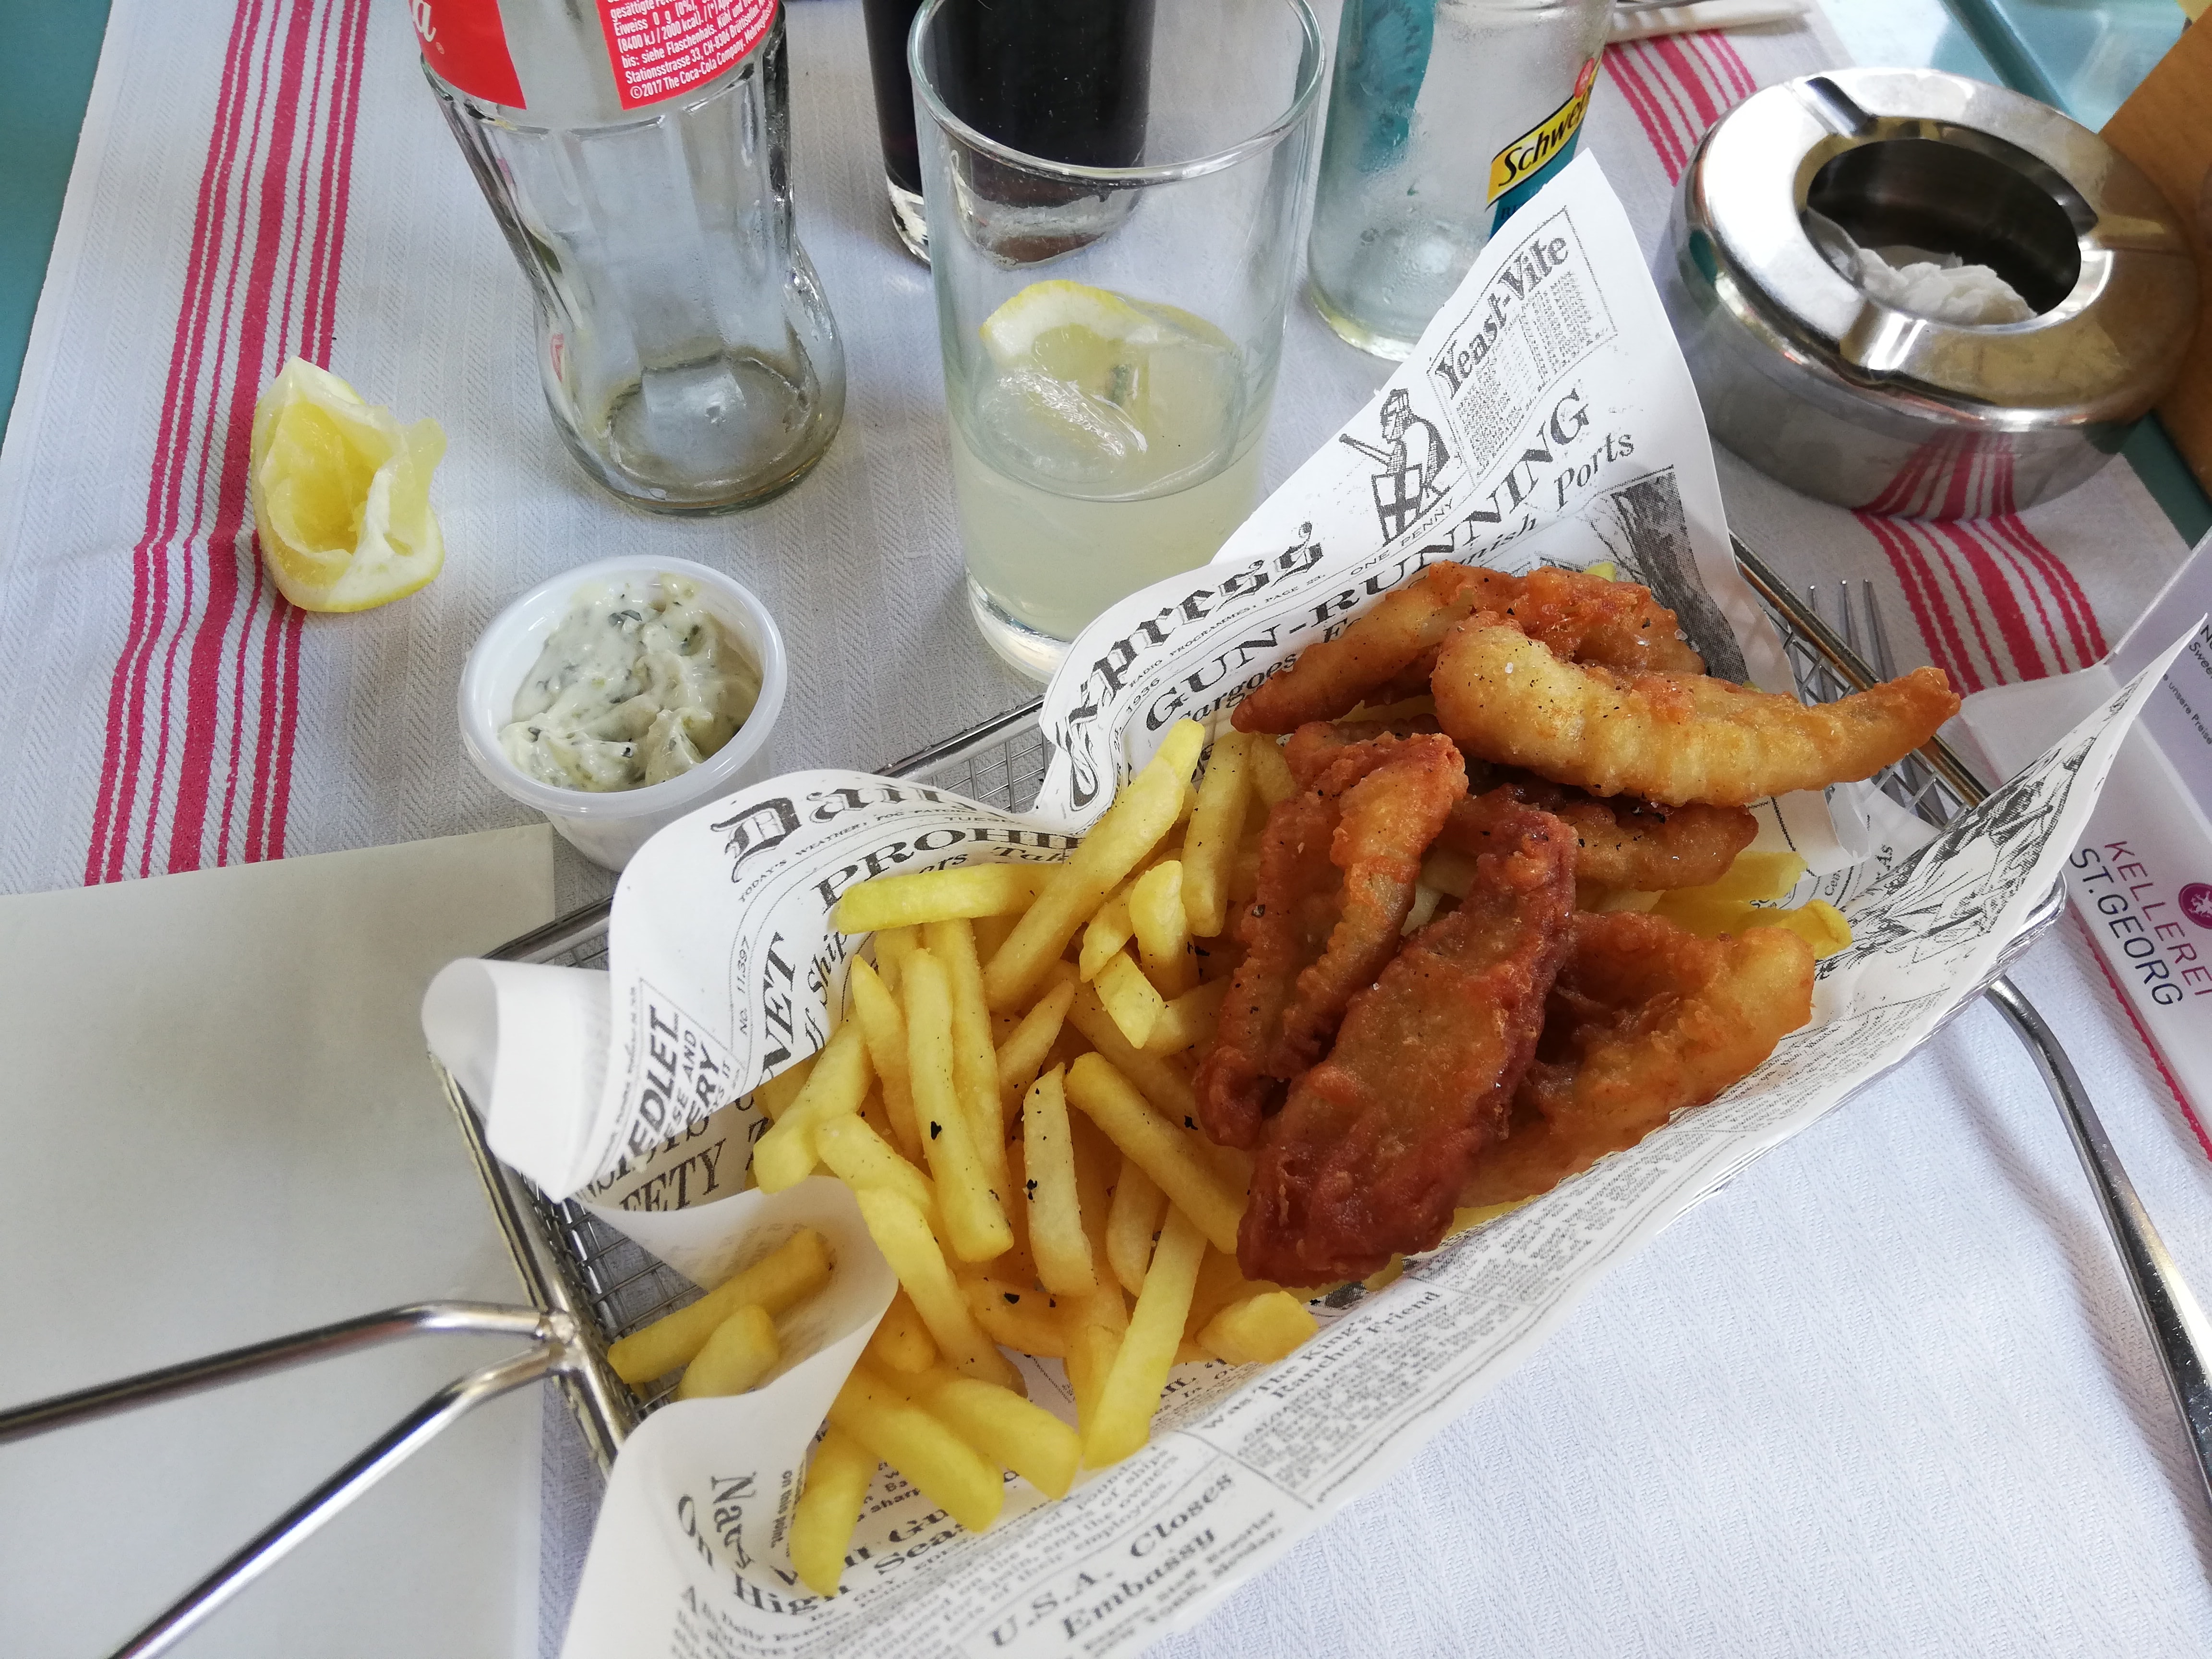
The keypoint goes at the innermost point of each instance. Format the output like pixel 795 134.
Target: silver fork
pixel 2179 1329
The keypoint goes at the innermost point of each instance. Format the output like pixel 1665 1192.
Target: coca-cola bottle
pixel 636 154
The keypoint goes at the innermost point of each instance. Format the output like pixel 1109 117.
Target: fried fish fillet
pixel 1367 1157
pixel 1389 650
pixel 1644 1019
pixel 1337 865
pixel 1620 842
pixel 1316 744
pixel 1667 738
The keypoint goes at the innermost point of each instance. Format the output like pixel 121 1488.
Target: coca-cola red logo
pixel 2197 902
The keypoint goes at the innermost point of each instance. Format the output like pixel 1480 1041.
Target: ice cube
pixel 1057 432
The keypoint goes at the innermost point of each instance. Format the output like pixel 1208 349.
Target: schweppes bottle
pixel 1444 117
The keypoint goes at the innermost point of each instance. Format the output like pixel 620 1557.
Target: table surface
pixel 2084 58
pixel 1923 1420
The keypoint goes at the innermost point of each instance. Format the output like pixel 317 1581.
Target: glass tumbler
pixel 636 155
pixel 1110 332
pixel 1444 116
pixel 1080 96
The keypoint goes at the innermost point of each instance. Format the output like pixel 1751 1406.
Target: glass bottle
pixel 636 154
pixel 1444 116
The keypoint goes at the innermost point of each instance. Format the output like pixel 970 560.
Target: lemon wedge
pixel 1096 392
pixel 340 493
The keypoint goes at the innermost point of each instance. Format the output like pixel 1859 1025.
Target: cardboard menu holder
pixel 2165 129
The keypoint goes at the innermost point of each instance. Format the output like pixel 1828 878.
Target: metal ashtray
pixel 1847 397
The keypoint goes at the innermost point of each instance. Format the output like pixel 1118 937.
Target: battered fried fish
pixel 1667 737
pixel 1367 1157
pixel 1316 744
pixel 1337 865
pixel 1645 1018
pixel 1621 843
pixel 1389 650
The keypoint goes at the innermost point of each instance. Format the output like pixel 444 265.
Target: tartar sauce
pixel 631 690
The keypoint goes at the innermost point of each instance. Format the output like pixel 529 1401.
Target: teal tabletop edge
pixel 47 56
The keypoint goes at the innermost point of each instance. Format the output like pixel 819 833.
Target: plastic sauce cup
pixel 609 827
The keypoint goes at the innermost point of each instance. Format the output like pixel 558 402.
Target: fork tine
pixel 1884 663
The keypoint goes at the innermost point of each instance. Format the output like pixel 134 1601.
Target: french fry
pixel 991 932
pixel 1163 931
pixel 1058 1243
pixel 1220 1282
pixel 893 946
pixel 786 1155
pixel 1021 1051
pixel 916 1256
pixel 795 1269
pixel 1010 1431
pixel 1816 921
pixel 1449 871
pixel 837 1481
pixel 884 1028
pixel 1405 709
pixel 1131 1392
pixel 1209 845
pixel 1257 1330
pixel 1132 1222
pixel 1270 773
pixel 1094 1337
pixel 1157 1078
pixel 1628 898
pixel 1188 1018
pixel 1143 813
pixel 1465 1219
pixel 1106 934
pixel 1017 1266
pixel 1023 1321
pixel 860 1157
pixel 1169 1155
pixel 975 1055
pixel 1163 1082
pixel 742 1350
pixel 901 1343
pixel 1231 1166
pixel 974 1221
pixel 872 1113
pixel 1130 998
pixel 1755 876
pixel 1097 1167
pixel 911 901
pixel 944 1469
pixel 780 1091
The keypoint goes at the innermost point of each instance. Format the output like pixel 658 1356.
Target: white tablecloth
pixel 1886 1395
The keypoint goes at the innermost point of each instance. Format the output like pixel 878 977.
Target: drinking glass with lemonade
pixel 1111 334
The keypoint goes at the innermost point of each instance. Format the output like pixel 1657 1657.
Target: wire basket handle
pixel 556 1348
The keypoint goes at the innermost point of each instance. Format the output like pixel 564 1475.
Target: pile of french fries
pixel 1010 1100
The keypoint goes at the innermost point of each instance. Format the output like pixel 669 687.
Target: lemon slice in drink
pixel 340 493
pixel 1105 394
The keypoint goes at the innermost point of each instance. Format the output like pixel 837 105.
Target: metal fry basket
pixel 589 1285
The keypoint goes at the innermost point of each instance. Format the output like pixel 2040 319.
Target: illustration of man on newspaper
pixel 1407 482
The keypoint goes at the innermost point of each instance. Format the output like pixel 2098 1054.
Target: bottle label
pixel 663 47
pixel 463 43
pixel 1523 166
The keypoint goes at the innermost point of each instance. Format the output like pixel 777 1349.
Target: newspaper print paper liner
pixel 722 971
